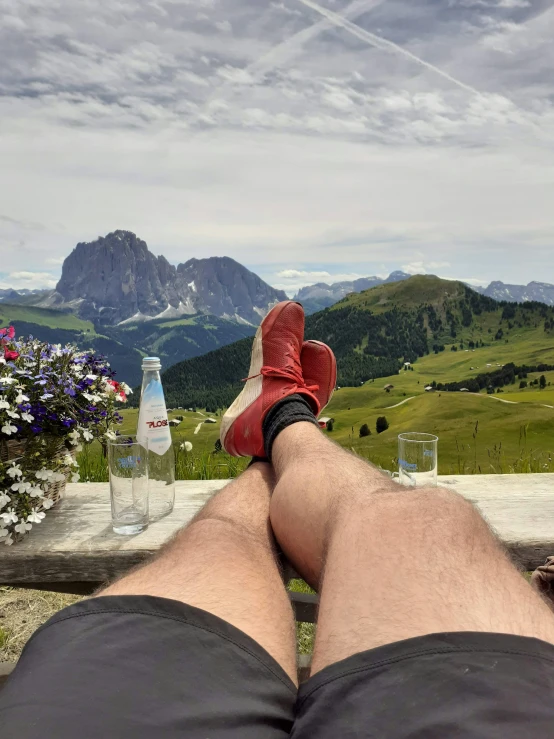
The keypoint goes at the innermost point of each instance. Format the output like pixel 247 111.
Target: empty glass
pixel 128 463
pixel 417 459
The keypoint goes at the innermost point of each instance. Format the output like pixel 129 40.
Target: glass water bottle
pixel 153 425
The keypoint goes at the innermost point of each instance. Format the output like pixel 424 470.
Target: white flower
pixel 36 516
pixel 74 437
pixel 126 389
pixel 14 471
pixel 21 487
pixel 12 414
pixel 8 428
pixel 8 380
pixel 9 516
pixel 3 402
pixel 4 499
pixel 111 435
pixel 46 396
pixel 2 360
pixel 27 417
pixel 22 398
pixel 58 477
pixel 43 474
pixel 88 396
pixel 91 377
pixel 36 492
pixel 70 461
pixel 75 477
pixel 87 436
pixel 186 445
pixel 8 541
pixel 47 503
pixel 23 527
pixel 3 532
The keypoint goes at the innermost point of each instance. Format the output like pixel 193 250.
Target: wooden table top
pixel 76 544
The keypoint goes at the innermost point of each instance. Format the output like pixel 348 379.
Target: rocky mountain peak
pixel 116 279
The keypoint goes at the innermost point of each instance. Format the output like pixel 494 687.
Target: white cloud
pixel 28 280
pixel 421 268
pixel 269 135
pixel 295 274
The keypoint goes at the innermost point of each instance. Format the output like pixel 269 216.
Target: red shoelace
pixel 291 374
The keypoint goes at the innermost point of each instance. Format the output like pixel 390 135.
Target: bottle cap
pixel 151 363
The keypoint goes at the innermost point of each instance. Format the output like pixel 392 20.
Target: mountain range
pixel 321 295
pixel 118 298
pixel 373 333
pixel 116 279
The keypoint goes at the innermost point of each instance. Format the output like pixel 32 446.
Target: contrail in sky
pixel 288 49
pixel 385 44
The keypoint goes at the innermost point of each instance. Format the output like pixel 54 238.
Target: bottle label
pixel 153 424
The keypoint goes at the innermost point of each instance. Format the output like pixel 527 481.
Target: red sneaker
pixel 275 373
pixel 319 368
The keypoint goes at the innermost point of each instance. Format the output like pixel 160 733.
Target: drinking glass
pixel 128 464
pixel 417 459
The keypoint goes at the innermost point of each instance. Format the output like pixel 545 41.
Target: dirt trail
pixel 401 403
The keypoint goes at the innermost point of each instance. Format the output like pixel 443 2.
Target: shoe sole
pixel 329 351
pixel 253 388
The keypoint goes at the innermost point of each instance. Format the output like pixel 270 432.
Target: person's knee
pixel 217 527
pixel 434 511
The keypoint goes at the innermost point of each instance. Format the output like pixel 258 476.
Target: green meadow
pixel 512 431
pixel 12 314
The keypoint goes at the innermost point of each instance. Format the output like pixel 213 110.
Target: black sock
pixel 290 410
pixel 254 460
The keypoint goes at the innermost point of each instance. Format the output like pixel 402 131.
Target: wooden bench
pixel 75 550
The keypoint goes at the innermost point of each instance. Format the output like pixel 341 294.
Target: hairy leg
pixel 224 562
pixel 390 563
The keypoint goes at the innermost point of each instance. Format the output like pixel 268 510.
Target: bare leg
pixel 390 564
pixel 224 562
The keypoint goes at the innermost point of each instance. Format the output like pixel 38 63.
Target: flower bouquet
pixel 52 400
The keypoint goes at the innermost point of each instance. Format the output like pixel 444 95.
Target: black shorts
pixel 148 668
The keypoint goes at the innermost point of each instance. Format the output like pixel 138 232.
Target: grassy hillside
pixel 177 339
pixel 477 432
pixel 124 346
pixel 511 431
pixel 374 332
pixel 63 328
pixel 14 314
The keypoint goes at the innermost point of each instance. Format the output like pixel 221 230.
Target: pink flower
pixel 10 354
pixel 118 390
pixel 8 332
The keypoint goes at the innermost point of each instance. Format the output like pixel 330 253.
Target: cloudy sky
pixel 312 141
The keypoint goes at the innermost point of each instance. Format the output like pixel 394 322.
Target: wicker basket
pixel 11 449
pixel 14 451
pixel 56 491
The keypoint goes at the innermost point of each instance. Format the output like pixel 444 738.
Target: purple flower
pixel 68 422
pixel 36 429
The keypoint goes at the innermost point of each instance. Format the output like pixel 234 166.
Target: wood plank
pixel 76 543
pixel 519 508
pixel 304 606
